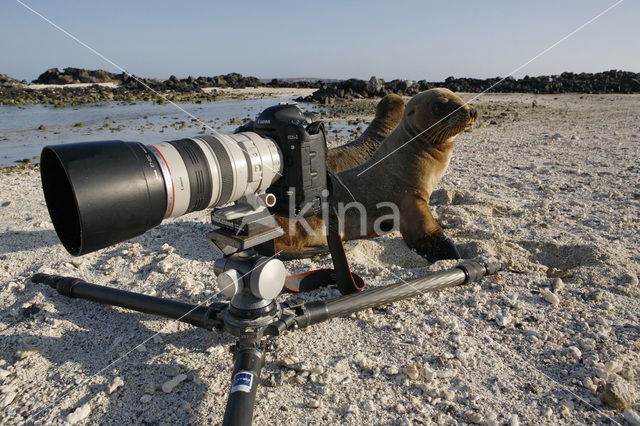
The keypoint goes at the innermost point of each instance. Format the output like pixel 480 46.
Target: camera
pixel 102 193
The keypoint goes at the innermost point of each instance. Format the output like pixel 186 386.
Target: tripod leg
pixel 199 316
pixel 319 311
pixel 244 383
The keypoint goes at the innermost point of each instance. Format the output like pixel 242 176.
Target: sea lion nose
pixel 473 112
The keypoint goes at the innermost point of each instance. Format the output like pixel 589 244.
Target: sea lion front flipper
pixel 421 231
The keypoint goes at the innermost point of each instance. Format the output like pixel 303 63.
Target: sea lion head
pixel 436 115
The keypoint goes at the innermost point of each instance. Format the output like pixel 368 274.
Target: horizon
pixel 433 42
pixel 266 79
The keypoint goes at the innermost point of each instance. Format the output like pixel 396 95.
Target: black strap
pixel 347 281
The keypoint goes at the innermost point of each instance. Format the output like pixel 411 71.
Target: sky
pixel 391 39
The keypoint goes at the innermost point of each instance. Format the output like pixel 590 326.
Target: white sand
pixel 258 92
pixel 553 190
pixel 263 92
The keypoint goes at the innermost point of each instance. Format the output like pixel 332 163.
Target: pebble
pixel 632 417
pixel 574 352
pixel 613 367
pixel 550 297
pixel 79 414
pixel 168 386
pixel 150 388
pixel 631 280
pixel 390 370
pixel 557 285
pixel 447 374
pixel 617 395
pixel 146 398
pixel 369 405
pixel 412 372
pixel 476 418
pixel 448 395
pixel 400 409
pixel 7 398
pixel 504 320
pixel 4 373
pixel 172 371
pixel 165 267
pixel 428 373
pixel 514 420
pixel 314 403
pixel 117 383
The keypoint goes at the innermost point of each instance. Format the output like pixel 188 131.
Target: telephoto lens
pixel 102 193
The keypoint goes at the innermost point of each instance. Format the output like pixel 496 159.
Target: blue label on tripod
pixel 242 382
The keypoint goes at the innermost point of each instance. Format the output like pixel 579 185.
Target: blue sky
pixel 330 39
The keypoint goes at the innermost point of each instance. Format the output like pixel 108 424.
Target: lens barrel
pixel 101 193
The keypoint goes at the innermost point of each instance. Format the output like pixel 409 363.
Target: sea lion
pixel 403 172
pixel 388 114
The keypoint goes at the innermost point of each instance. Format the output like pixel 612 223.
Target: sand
pixel 549 185
pixel 260 92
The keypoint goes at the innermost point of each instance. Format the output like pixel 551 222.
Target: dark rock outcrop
pixel 604 82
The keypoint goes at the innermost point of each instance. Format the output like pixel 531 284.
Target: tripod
pixel 253 283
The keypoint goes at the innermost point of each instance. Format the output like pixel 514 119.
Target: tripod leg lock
pixel 64 285
pixel 475 270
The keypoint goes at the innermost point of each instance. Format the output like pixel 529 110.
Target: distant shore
pixel 74 86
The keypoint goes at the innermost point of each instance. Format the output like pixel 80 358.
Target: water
pixel 145 122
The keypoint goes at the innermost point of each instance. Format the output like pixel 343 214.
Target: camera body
pixel 303 146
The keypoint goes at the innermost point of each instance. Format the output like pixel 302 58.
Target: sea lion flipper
pixel 422 233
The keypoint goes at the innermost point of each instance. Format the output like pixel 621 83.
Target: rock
pixel 4 373
pixel 550 297
pixel 167 387
pixel 79 414
pixel 150 388
pixel 314 403
pixel 7 398
pixel 632 417
pixel 557 285
pixel 391 370
pixel 617 395
pixel 146 398
pixel 504 320
pixel 412 372
pixel 165 267
pixel 369 405
pixel 428 373
pixel 117 383
pixel 514 420
pixel 476 418
pixel 574 352
pixel 172 371
pixel 613 367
